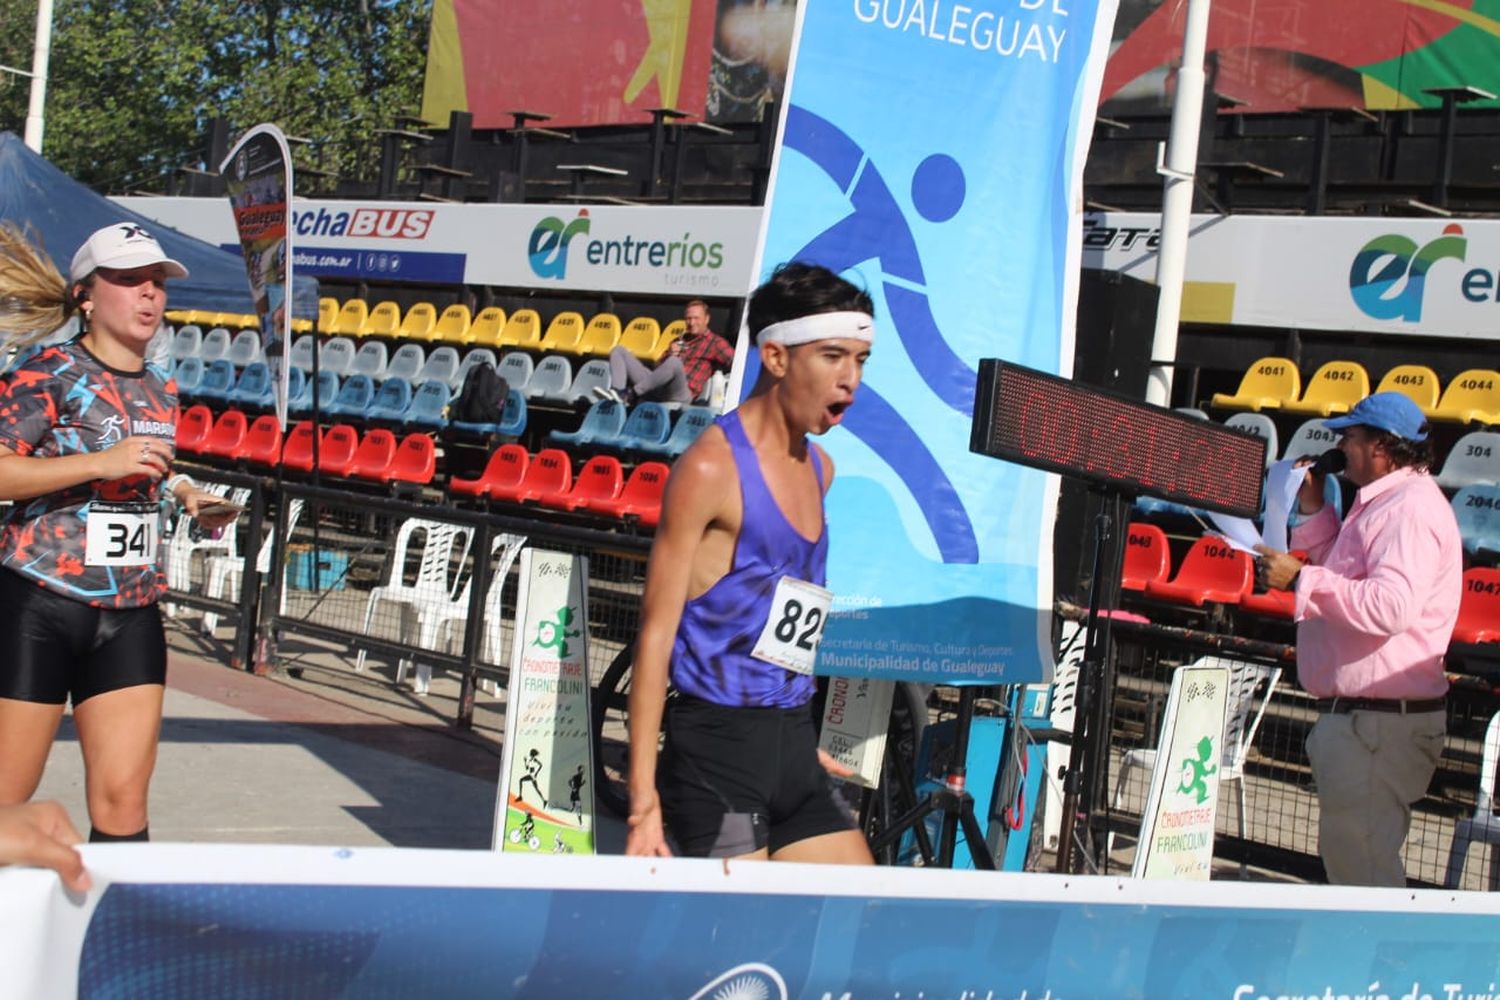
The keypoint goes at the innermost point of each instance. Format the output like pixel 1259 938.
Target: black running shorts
pixel 735 780
pixel 52 646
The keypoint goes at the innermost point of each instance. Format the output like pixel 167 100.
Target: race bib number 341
pixel 790 637
pixel 121 534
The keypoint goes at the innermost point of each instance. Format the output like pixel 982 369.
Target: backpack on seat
pixel 482 398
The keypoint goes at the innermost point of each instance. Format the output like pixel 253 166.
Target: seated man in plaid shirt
pixel 682 374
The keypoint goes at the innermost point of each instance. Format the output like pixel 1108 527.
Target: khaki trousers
pixel 1369 768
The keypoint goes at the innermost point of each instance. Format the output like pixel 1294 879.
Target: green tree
pixel 134 83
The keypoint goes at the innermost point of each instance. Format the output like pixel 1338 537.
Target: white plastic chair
pixel 220 571
pixel 478 356
pixel 1474 458
pixel 187 341
pixel 337 356
pixel 371 359
pixel 1484 825
pixel 1312 438
pixel 1250 687
pixel 182 546
pixel 434 617
pixel 245 349
pixel 302 352
pixel 432 585
pixel 442 364
pixel 215 345
pixel 406 362
pixel 1261 426
pixel 516 368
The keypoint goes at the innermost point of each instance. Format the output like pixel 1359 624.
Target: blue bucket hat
pixel 1387 411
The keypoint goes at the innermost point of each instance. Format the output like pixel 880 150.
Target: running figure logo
pixel 554 634
pixel 533 767
pixel 113 429
pixel 1194 770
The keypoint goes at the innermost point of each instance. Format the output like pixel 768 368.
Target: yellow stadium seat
pixel 523 330
pixel 673 330
pixel 1418 382
pixel 1268 384
pixel 485 330
pixel 420 321
pixel 599 337
pixel 453 324
pixel 563 333
pixel 640 336
pixel 384 320
pixel 328 314
pixel 177 317
pixel 302 326
pixel 250 321
pixel 1334 388
pixel 353 315
pixel 1472 397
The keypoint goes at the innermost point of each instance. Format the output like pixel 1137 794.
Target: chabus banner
pixel 932 152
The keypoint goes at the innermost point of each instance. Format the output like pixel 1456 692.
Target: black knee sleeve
pixel 98 836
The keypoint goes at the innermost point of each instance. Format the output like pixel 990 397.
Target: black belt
pixel 1409 706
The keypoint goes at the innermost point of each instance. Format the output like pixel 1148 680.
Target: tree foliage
pixel 133 84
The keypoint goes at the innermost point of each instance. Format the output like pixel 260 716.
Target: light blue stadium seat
pixel 603 422
pixel 328 390
pixel 255 387
pixel 512 419
pixel 428 404
pixel 391 401
pixel 189 376
pixel 354 398
pixel 648 424
pixel 1477 508
pixel 694 421
pixel 218 380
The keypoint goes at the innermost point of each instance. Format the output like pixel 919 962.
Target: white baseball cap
pixel 122 245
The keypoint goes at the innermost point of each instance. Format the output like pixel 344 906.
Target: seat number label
pixel 795 625
pixel 121 534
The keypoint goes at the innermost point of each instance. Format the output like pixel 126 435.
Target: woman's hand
pixel 137 455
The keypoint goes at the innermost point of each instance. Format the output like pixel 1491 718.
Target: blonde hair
pixel 35 298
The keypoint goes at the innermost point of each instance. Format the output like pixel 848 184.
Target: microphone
pixel 1331 460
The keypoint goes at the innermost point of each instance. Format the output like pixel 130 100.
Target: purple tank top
pixel 711 657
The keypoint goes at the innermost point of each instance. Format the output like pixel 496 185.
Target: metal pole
pixel 1177 200
pixel 41 54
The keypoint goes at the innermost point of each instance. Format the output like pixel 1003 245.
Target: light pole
pixel 36 112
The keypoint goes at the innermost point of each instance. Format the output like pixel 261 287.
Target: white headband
pixel 821 326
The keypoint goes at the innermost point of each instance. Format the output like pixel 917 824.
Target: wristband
pixel 179 478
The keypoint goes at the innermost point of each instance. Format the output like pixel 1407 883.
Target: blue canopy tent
pixel 64 212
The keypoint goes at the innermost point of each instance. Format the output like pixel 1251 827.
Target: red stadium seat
pixel 641 496
pixel 336 450
pixel 228 435
pixel 193 426
pixel 550 473
pixel 416 460
pixel 1272 604
pixel 1213 570
pixel 506 468
pixel 1479 611
pixel 1147 556
pixel 297 452
pixel 263 441
pixel 599 479
pixel 375 455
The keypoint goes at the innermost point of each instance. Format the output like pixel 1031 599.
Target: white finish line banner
pixel 192 921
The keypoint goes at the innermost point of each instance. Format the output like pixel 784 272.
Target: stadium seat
pixel 599 337
pixel 669 335
pixel 512 422
pixel 297 451
pixel 186 342
pixel 1212 570
pixel 218 381
pixel 505 469
pixel 563 333
pixel 370 359
pixel 1418 382
pixel 550 473
pixel 478 356
pixel 328 389
pixel 1477 509
pixel 254 387
pixel 337 356
pixel 189 375
pixel 1472 397
pixel 1479 609
pixel 336 449
pixel 1148 557
pixel 301 355
pixel 600 479
pixel 1474 458
pixel 1261 426
pixel 384 321
pixel 193 427
pixel 647 425
pixel 442 364
pixel 590 374
pixel 1312 438
pixel 1334 388
pixel 1267 384
pixel 693 421
pixel 351 319
pixel 640 498
pixel 428 405
pixel 374 456
pixel 523 329
pixel 419 322
pixel 328 315
pixel 296 385
pixel 1271 603
pixel 406 362
pixel 416 460
pixel 453 324
pixel 245 349
pixel 391 401
pixel 262 444
pixel 1191 411
pixel 640 336
pixel 215 345
pixel 551 379
pixel 484 330
pixel 602 422
pixel 354 398
pixel 516 368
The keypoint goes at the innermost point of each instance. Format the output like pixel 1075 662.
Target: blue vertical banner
pixel 932 152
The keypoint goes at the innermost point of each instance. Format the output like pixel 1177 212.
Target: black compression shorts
pixel 735 780
pixel 52 646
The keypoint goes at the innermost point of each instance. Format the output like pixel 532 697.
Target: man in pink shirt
pixel 1376 604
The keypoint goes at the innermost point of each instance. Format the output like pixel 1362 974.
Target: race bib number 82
pixel 120 534
pixel 790 637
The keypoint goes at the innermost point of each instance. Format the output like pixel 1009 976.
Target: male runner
pixel 734 604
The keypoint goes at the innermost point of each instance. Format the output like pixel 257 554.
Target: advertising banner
pixel 545 801
pixel 933 153
pixel 258 179
pixel 1427 277
pixel 190 921
pixel 666 250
